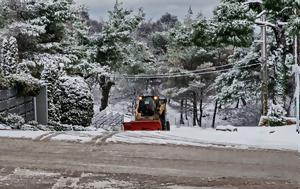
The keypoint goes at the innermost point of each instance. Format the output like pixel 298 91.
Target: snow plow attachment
pixel 145 125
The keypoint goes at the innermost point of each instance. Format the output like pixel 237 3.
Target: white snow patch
pixel 4 127
pixel 227 128
pixel 22 134
pixel 109 184
pixel 79 136
pixel 73 138
pixel 280 138
pixel 64 182
pixel 31 173
pixel 188 187
pixel 254 1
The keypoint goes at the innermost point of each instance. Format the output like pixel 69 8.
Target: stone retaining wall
pixel 11 103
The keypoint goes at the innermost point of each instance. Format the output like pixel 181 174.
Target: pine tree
pixel 9 54
pixel 279 42
pixel 119 50
pixel 53 41
pixel 116 40
pixel 242 82
pixel 233 23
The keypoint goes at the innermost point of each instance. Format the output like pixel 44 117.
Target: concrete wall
pixel 22 106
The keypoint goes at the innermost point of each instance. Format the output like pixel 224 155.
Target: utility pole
pixel 264 87
pixel 297 84
pixel 296 40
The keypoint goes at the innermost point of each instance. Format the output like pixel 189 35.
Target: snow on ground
pixel 22 134
pixel 112 183
pixel 4 127
pixel 31 173
pixel 70 136
pixel 280 138
pixel 79 136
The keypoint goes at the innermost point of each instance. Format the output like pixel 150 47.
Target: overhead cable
pixel 198 72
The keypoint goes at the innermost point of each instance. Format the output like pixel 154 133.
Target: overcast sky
pixel 153 8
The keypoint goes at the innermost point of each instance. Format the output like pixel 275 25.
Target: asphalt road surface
pixel 48 164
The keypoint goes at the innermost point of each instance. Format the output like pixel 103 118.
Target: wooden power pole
pixel 297 79
pixel 264 87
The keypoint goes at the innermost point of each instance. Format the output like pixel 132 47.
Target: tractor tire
pixel 167 128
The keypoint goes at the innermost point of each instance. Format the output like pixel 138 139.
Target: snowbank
pixel 22 134
pixel 79 136
pixel 4 127
pixel 280 138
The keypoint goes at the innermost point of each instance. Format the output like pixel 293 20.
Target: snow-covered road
pixel 55 164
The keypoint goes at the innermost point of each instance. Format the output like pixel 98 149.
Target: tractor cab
pixel 150 114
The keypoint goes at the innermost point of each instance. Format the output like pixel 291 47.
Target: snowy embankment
pixel 279 138
pixel 22 134
pixel 69 136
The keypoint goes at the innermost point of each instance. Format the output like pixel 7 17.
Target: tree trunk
pixel 105 86
pixel 244 102
pixel 186 108
pixel 237 104
pixel 195 115
pixel 215 114
pixel 181 112
pixel 201 109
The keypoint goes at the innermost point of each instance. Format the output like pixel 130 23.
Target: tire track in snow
pixel 50 136
pixel 102 139
pixel 40 138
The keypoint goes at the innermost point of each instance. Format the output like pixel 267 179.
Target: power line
pixel 185 74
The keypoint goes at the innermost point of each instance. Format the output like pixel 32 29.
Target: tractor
pixel 150 115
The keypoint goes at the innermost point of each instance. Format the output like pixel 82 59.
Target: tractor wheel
pixel 167 128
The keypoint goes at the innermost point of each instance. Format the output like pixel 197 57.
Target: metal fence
pixel 11 103
pixel 108 120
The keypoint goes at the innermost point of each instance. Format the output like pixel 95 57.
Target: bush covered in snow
pixel 4 83
pixel 76 101
pixel 25 84
pixel 70 98
pixel 54 126
pixel 13 120
pixel 276 116
pixel 50 75
pixel 27 127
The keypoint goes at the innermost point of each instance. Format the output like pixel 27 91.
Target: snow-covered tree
pixel 117 46
pixel 233 23
pixel 279 43
pixel 59 45
pixel 9 56
pixel 51 74
pixel 118 49
pixel 242 82
pixel 294 21
pixel 188 42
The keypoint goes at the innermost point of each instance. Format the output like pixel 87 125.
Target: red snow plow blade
pixel 143 125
